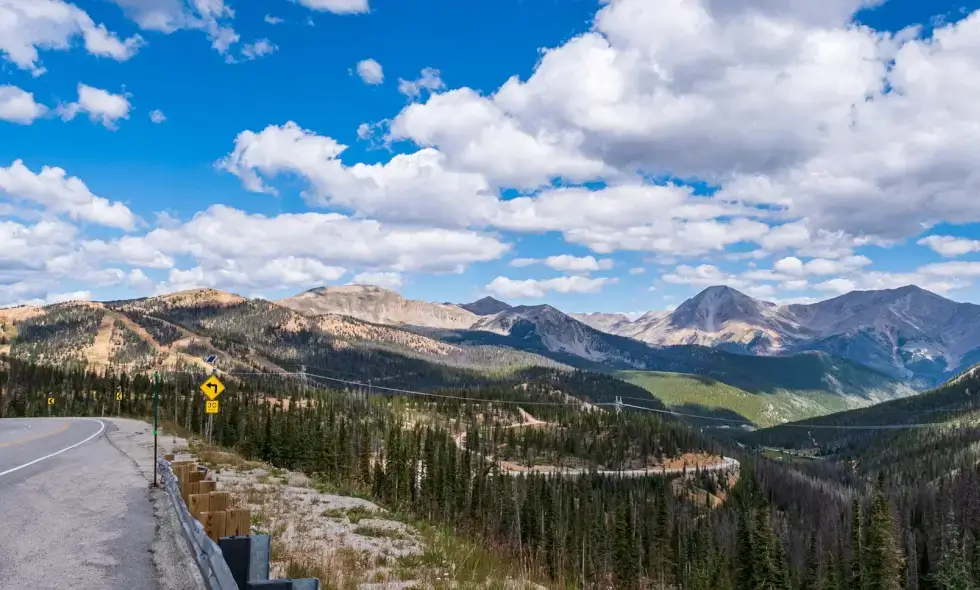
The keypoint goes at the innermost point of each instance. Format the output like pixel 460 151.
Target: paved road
pixel 74 510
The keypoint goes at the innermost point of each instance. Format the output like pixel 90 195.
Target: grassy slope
pixel 702 395
pixel 958 399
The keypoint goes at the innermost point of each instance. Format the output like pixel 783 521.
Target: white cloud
pixel 950 246
pixel 273 20
pixel 157 116
pixel 166 16
pixel 18 106
pixel 637 270
pixel 233 248
pixel 370 71
pixel 793 266
pixel 101 106
pixel 429 79
pixel 827 149
pixel 259 48
pixel 414 187
pixel 385 280
pixel 504 287
pixel 28 26
pixel 477 136
pixel 337 6
pixel 568 263
pixel 57 192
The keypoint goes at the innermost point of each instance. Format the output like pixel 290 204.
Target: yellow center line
pixel 11 443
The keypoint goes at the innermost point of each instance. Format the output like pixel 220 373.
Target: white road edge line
pixel 28 464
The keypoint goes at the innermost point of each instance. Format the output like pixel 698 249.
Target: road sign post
pixel 156 423
pixel 212 388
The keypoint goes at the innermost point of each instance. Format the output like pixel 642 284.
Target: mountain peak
pixel 721 291
pixel 379 306
pixel 486 306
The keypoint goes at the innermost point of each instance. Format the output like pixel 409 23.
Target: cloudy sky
pixel 602 156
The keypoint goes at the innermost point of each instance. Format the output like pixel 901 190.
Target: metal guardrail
pixel 207 555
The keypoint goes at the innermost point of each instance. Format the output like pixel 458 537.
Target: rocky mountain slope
pixel 485 306
pixel 606 322
pixel 177 330
pixel 547 331
pixel 909 333
pixel 379 306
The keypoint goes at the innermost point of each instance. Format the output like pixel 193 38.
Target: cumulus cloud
pixel 157 116
pixel 166 16
pixel 57 192
pixel 568 263
pixel 430 79
pixel 27 26
pixel 370 71
pixel 535 289
pixel 414 187
pixel 273 20
pixel 233 249
pixel 950 246
pixel 18 106
pixel 102 106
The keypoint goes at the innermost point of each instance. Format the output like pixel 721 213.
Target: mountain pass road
pixel 74 510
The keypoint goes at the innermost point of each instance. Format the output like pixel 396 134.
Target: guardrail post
pixel 258 560
pixel 237 552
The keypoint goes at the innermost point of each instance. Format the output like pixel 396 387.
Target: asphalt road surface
pixel 74 510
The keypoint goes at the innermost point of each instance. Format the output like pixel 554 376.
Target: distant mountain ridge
pixel 324 325
pixel 909 333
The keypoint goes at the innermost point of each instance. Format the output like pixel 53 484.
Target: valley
pixel 498 426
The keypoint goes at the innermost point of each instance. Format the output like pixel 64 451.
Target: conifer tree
pixel 885 557
pixel 953 572
pixel 857 547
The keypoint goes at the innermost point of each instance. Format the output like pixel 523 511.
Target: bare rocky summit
pixel 380 306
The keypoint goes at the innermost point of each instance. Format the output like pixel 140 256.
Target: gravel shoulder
pixel 172 560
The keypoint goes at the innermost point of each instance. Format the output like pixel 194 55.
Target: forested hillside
pixel 770 524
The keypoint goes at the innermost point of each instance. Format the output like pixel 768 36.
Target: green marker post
pixel 156 427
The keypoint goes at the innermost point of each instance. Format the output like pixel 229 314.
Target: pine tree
pixel 627 570
pixel 857 547
pixel 744 550
pixel 885 557
pixel 811 581
pixel 831 581
pixel 953 572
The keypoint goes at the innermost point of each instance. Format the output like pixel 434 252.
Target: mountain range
pixel 859 348
pixel 909 333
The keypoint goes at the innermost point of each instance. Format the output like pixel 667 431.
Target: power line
pixel 625 405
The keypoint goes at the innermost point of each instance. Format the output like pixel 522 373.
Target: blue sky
pixel 825 144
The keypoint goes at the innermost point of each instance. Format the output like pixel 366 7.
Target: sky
pixel 614 156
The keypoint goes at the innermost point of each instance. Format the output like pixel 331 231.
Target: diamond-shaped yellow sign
pixel 212 387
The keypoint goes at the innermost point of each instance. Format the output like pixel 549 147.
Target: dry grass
pixel 348 542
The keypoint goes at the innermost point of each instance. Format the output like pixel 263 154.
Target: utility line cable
pixel 570 404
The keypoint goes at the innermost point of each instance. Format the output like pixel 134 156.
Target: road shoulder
pixel 171 557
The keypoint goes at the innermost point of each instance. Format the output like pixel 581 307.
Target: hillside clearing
pixel 701 395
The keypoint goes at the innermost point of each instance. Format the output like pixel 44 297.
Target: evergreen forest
pixel 877 521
